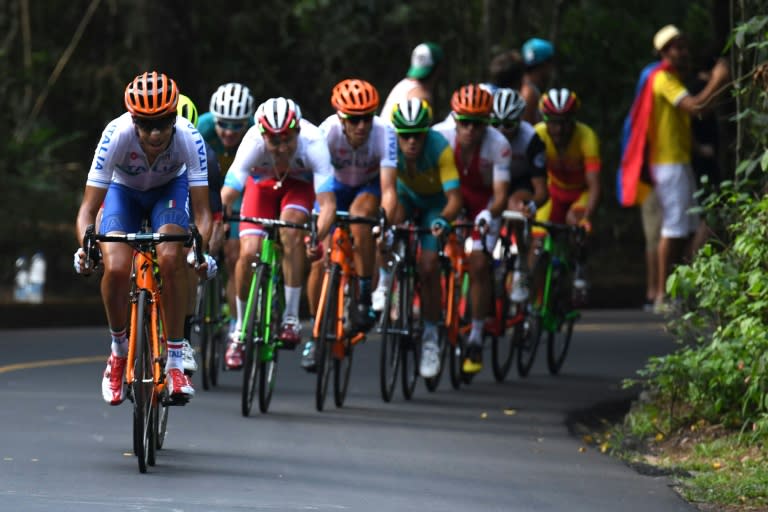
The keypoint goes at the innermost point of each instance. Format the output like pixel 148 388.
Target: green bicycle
pixel 263 314
pixel 551 308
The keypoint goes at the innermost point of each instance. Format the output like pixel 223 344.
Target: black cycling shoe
pixel 363 317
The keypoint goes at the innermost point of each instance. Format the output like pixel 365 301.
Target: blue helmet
pixel 536 51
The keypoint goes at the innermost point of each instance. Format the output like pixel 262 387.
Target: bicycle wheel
pixel 202 320
pixel 392 325
pixel 431 383
pixel 533 325
pixel 254 325
pixel 343 349
pixel 328 323
pixel 143 385
pixel 267 348
pixel 161 419
pixel 558 343
pixel 503 346
pixel 411 351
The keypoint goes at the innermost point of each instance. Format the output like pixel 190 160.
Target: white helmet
pixel 277 115
pixel 232 101
pixel 508 105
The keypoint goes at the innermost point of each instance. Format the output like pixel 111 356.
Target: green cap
pixel 424 58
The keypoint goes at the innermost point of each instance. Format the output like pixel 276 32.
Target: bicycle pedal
pixel 173 401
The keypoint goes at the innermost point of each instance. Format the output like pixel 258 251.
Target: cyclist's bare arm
pixel 327 203
pixel 453 208
pixel 228 196
pixel 540 192
pixel 702 102
pixel 92 201
pixel 593 186
pixel 389 193
pixel 201 206
pixel 500 189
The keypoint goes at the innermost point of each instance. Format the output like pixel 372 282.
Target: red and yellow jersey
pixel 669 132
pixel 568 170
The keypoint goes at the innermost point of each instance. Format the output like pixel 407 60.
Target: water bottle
pixel 36 278
pixel 21 281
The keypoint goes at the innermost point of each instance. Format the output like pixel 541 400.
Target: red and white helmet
pixel 278 115
pixel 559 102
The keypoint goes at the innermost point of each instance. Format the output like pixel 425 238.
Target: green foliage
pixel 720 373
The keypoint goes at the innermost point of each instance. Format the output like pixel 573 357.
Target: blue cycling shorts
pixel 125 208
pixel 346 195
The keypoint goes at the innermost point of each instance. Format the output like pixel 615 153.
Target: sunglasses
pixel 276 140
pixel 233 126
pixel 409 136
pixel 507 125
pixel 160 123
pixel 365 118
pixel 466 123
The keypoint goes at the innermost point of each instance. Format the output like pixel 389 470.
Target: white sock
pixel 175 355
pixel 383 278
pixel 292 301
pixel 119 345
pixel 476 334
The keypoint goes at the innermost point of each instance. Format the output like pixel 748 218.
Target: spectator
pixel 420 79
pixel 661 119
pixel 538 56
pixel 505 71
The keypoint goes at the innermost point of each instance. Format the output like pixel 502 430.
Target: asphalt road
pixel 63 449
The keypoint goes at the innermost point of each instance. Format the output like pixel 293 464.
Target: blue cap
pixel 535 51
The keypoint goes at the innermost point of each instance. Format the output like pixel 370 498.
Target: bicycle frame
pixel 269 256
pixel 558 257
pixel 145 275
pixel 341 254
pixel 459 264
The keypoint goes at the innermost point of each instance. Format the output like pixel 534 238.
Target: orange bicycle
pixel 335 332
pixel 145 368
pixel 454 277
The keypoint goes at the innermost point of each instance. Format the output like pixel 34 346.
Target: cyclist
pixel 538 56
pixel 146 164
pixel 528 185
pixel 573 167
pixel 223 127
pixel 360 144
pixel 282 164
pixel 427 183
pixel 186 108
pixel 482 156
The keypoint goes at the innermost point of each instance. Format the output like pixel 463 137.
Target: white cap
pixel 664 36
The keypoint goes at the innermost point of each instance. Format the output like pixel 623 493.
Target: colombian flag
pixel 630 188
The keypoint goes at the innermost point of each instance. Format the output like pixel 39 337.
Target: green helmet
pixel 411 116
pixel 186 108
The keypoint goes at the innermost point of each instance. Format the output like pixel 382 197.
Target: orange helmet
pixel 472 101
pixel 152 94
pixel 355 97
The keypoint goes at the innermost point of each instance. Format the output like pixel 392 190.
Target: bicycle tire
pixel 342 367
pixel 252 330
pixel 203 318
pixel 143 385
pixel 432 383
pixel 558 343
pixel 411 351
pixel 392 324
pixel 328 322
pixel 533 324
pixel 267 348
pixel 161 420
pixel 503 347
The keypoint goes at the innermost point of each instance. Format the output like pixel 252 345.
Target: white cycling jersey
pixel 357 166
pixel 119 158
pixel 493 161
pixel 311 162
